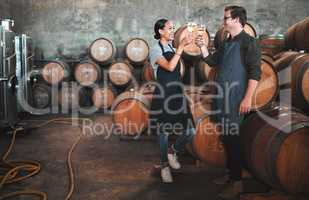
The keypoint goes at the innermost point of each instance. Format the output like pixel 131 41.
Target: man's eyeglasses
pixel 226 18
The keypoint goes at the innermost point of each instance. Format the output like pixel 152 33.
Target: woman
pixel 170 112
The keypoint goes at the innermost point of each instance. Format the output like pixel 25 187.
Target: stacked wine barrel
pixel 102 51
pixel 293 71
pixel 49 77
pixel 276 147
pixel 206 145
pixel 41 96
pixel 103 97
pixel 131 113
pixel 272 44
pixel 71 96
pixel 54 72
pixel 87 73
pixel 296 37
pixel 94 80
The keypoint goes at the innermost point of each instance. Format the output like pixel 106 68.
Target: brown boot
pixel 232 190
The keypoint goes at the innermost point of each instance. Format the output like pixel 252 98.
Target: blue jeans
pixel 180 143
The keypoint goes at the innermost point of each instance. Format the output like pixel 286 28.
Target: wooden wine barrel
pixel 285 60
pixel 276 148
pixel 103 97
pixel 268 57
pixel 206 144
pixel 272 44
pixel 131 113
pixel 300 82
pixel 147 89
pixel 41 96
pixel 55 72
pixel 284 75
pixel 137 51
pixel 284 54
pixel 296 37
pixel 120 74
pixel 148 73
pixel 102 50
pixel 301 35
pixel 71 97
pixel 222 34
pixel 289 38
pixel 192 51
pixel 195 94
pixel 268 87
pixel 87 73
pixel 250 29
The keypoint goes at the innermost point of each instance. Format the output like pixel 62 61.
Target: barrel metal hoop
pixel 135 96
pixel 263 36
pixel 272 46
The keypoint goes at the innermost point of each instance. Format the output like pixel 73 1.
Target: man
pixel 237 63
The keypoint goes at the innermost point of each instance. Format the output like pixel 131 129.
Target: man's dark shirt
pixel 249 51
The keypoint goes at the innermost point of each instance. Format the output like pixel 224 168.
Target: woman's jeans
pixel 180 143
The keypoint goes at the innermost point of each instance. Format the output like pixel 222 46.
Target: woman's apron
pixel 170 110
pixel 232 84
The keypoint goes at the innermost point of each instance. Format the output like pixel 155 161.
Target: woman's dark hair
pixel 238 11
pixel 159 25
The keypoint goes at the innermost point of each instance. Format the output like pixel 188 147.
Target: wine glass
pixel 190 27
pixel 201 28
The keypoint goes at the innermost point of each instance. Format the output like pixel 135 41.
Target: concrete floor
pixel 105 169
